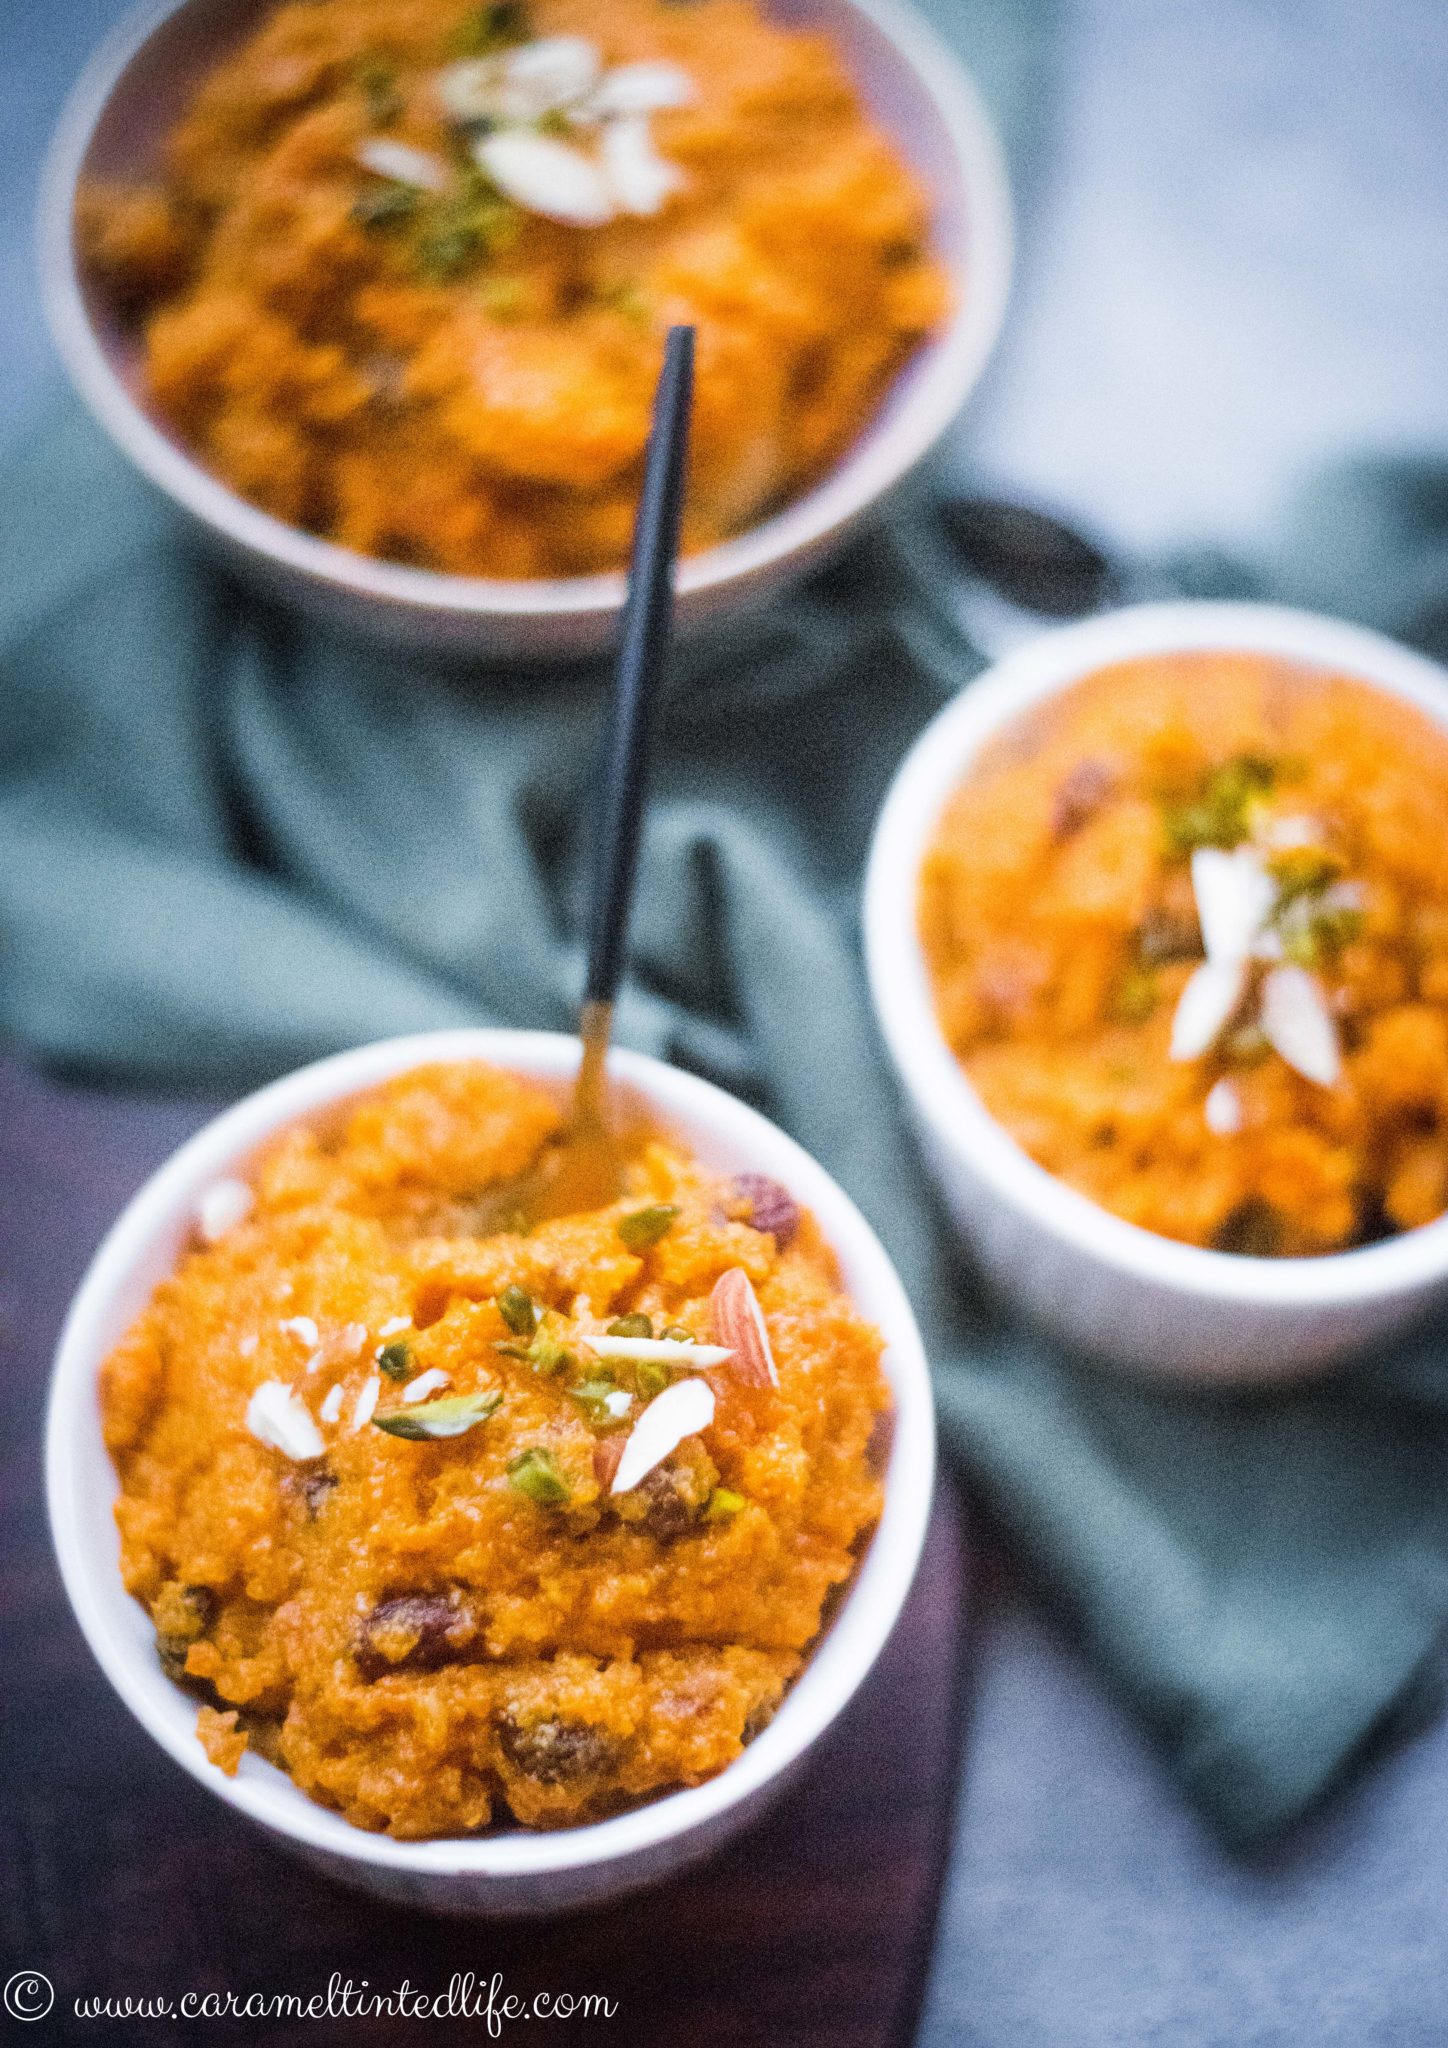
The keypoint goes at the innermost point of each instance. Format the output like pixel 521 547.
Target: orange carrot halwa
pixel 1187 931
pixel 402 280
pixel 455 1523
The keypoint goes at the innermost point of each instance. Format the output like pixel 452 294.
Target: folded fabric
pixel 229 842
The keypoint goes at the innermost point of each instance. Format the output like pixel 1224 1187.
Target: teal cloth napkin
pixel 230 842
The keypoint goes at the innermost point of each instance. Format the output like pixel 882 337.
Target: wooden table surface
pixel 119 1876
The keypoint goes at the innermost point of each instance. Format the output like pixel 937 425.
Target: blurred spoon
pixel 1030 557
pixel 1028 569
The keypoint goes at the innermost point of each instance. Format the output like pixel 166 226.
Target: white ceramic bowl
pixel 1102 1283
pixel 113 126
pixel 507 1872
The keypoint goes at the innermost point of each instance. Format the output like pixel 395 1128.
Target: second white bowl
pixel 113 127
pixel 1121 1292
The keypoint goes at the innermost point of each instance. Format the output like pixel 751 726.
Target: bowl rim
pixel 945 1103
pixel 950 364
pixel 836 1665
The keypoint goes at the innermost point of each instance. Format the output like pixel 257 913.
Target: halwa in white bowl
pixel 1122 1293
pixel 912 85
pixel 506 1871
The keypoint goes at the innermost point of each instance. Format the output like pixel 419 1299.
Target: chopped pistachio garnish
pixel 646 1226
pixel 722 1505
pixel 1246 1046
pixel 535 1474
pixel 1136 995
pixel 463 227
pixel 625 298
pixel 1163 937
pixel 1302 871
pixel 545 1354
pixel 634 1325
pixel 1315 928
pixel 592 1395
pixel 651 1376
pixel 1300 945
pixel 447 249
pixel 386 205
pixel 504 297
pixel 378 82
pixel 453 1415
pixel 518 1311
pixel 497 26
pixel 396 1361
pixel 1221 812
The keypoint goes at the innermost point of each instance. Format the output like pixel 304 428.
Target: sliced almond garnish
pixel 275 1415
pixel 1285 835
pixel 331 1408
pixel 546 76
pixel 303 1328
pixel 366 1403
pixel 469 90
pixel 682 1410
pixel 404 165
pixel 1235 897
pixel 1222 1110
pixel 739 1326
pixel 638 178
pixel 645 88
pixel 222 1206
pixel 430 1382
pixel 1298 1025
pixel 1206 1006
pixel 546 177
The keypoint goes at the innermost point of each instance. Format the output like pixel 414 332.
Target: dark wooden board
pixel 121 1877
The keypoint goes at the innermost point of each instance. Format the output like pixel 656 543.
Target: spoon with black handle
pixel 585 1169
